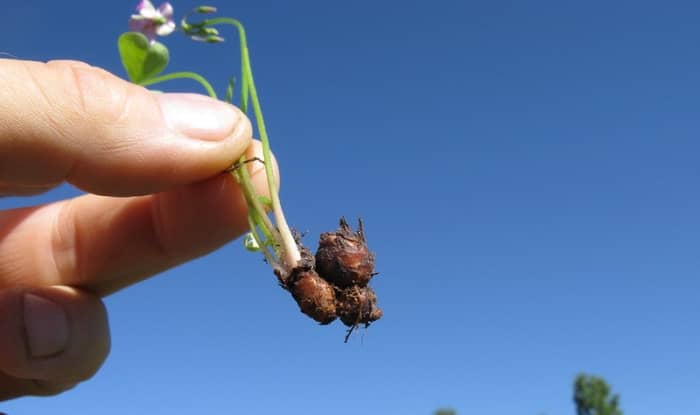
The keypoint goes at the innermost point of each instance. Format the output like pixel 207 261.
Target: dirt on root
pixel 334 282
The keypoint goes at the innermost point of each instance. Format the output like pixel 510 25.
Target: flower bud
pixel 205 9
pixel 214 39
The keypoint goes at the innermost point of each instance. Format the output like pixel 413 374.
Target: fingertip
pixel 53 337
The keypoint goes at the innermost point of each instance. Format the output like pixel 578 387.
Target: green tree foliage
pixel 592 396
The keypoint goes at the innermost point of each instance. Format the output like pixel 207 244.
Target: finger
pixel 69 121
pixel 52 338
pixel 103 243
pixel 11 189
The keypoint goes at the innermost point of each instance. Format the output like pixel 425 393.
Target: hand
pixel 152 164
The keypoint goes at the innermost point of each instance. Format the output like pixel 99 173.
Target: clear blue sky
pixel 528 174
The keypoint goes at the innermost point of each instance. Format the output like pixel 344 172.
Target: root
pixel 238 164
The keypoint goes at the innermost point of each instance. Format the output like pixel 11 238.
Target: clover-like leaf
pixel 142 58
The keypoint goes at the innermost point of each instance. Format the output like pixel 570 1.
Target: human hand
pixel 151 163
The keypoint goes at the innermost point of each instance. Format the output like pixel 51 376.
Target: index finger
pixel 102 244
pixel 68 121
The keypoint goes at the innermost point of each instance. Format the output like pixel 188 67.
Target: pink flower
pixel 152 22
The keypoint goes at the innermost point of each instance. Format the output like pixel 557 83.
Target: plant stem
pixel 289 255
pixel 258 214
pixel 254 204
pixel 181 75
pixel 263 247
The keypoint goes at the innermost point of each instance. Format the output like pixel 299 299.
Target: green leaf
pixel 141 59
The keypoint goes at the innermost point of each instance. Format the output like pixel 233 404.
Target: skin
pixel 151 165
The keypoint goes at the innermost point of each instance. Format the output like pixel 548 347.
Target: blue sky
pixel 528 175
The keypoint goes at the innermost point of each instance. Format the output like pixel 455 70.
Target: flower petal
pixel 150 14
pixel 166 10
pixel 166 28
pixel 137 25
pixel 145 5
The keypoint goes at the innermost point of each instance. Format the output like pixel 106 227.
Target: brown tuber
pixel 357 305
pixel 343 258
pixel 333 283
pixel 315 296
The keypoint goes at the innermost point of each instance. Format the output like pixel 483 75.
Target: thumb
pixel 66 120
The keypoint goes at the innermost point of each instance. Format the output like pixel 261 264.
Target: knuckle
pixel 103 97
pixel 64 245
pixel 54 86
pixel 159 229
pixel 79 95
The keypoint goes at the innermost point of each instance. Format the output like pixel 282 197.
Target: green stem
pixel 181 75
pixel 258 215
pixel 254 204
pixel 263 247
pixel 270 234
pixel 290 252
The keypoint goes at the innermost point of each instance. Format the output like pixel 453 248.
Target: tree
pixel 592 397
pixel 445 411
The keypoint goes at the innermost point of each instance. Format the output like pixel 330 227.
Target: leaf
pixel 141 59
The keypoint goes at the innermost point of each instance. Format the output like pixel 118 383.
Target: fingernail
pixel 46 326
pixel 198 117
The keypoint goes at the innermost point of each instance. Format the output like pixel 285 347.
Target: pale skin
pixel 152 166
